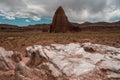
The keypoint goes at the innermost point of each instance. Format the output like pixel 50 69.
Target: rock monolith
pixel 60 22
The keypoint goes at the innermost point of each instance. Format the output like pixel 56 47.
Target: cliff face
pixel 60 22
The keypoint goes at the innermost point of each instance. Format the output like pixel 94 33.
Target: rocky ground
pixel 73 61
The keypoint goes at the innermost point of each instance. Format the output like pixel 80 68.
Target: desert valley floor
pixel 20 40
pixel 66 56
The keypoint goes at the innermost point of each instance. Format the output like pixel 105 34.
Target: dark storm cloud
pixel 77 10
pixel 116 3
pixel 77 5
pixel 12 4
pixel 92 5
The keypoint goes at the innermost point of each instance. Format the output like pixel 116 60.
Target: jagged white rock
pixel 5 59
pixel 29 51
pixel 54 70
pixel 73 60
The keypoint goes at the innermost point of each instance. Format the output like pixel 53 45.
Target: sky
pixel 30 12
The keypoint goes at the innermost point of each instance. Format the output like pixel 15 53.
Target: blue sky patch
pixel 24 21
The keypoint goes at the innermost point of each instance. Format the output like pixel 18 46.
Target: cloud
pixel 76 10
pixel 12 5
pixel 10 17
pixel 35 18
pixel 27 20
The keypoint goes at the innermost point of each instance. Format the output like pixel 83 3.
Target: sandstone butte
pixel 60 23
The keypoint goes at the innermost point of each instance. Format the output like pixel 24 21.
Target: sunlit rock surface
pixel 5 59
pixel 72 61
pixel 77 61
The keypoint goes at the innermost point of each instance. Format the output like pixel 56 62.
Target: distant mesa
pixel 60 22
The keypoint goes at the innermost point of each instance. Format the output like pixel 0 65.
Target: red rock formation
pixel 60 22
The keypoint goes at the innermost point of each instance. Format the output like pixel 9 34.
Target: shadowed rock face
pixel 60 22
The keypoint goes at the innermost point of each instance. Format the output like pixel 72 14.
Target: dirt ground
pixel 20 40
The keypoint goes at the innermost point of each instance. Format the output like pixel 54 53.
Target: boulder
pixel 35 57
pixel 6 62
pixel 21 70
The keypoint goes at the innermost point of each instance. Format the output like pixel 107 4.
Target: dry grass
pixel 19 40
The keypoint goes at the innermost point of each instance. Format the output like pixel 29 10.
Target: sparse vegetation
pixel 18 40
